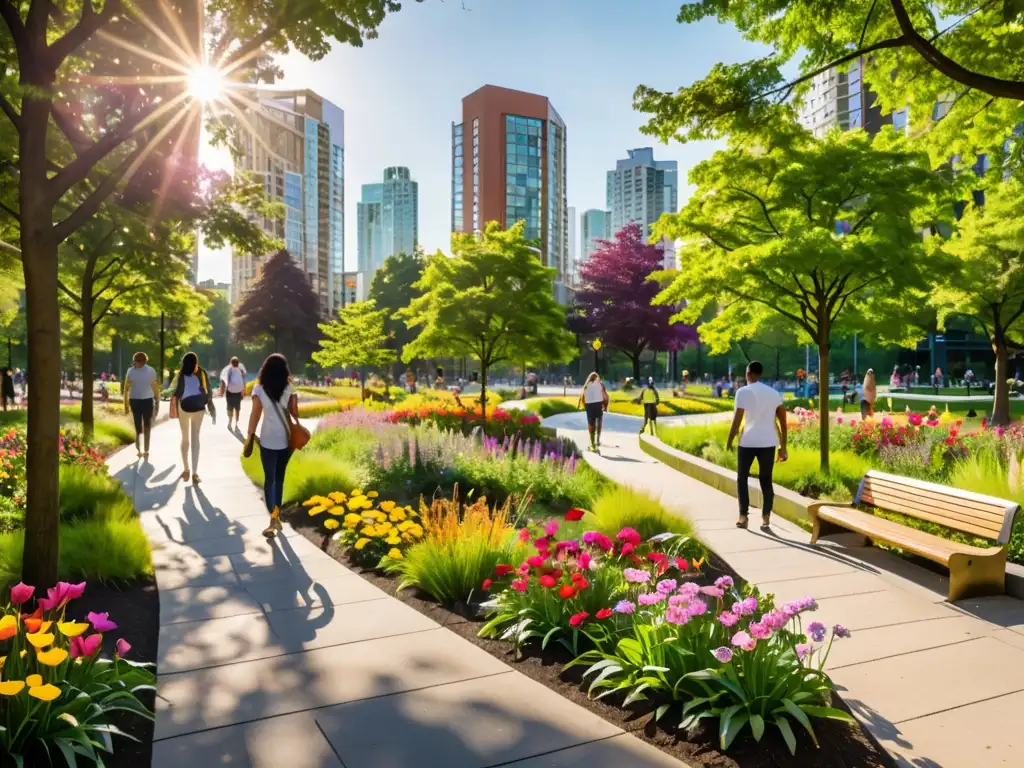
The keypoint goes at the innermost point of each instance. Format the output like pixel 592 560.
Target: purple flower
pixel 728 619
pixel 650 598
pixel 799 606
pixel 816 630
pixel 677 616
pixel 723 654
pixel 775 620
pixel 840 631
pixel 551 528
pixel 745 607
pixel 803 650
pixel 667 586
pixel 689 590
pixel 742 640
pixel 678 600
pixel 712 591
pixel 724 582
pixel 625 606
pixel 696 608
pixel 760 630
pixel 101 621
pixel 636 576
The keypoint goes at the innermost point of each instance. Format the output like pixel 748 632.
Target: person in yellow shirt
pixel 650 399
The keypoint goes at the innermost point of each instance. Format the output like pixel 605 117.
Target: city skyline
pixel 418 63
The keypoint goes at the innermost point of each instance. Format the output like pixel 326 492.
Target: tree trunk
pixel 88 339
pixel 1001 403
pixel 823 401
pixel 636 367
pixel 40 562
pixel 483 397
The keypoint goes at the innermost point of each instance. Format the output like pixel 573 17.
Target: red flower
pixel 548 581
pixel 519 585
pixel 537 561
pixel 681 563
pixel 567 591
pixel 578 619
pixel 660 559
pixel 629 535
pixel 524 535
pixel 627 548
pixel 604 613
pixel 487 584
pixel 503 570
pixel 574 514
pixel 581 584
pixel 542 545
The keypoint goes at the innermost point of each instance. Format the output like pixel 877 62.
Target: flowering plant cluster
pixel 454 416
pixel 75 450
pixel 376 532
pixel 57 692
pixel 568 584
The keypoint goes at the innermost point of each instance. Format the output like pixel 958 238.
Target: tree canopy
pixel 814 231
pixel 963 56
pixel 356 338
pixel 492 300
pixel 394 288
pixel 615 300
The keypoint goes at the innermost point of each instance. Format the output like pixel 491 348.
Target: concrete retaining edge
pixel 788 504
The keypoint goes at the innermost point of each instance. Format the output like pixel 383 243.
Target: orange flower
pixel 8 627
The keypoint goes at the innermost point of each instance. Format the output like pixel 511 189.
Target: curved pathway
pixel 937 684
pixel 274 654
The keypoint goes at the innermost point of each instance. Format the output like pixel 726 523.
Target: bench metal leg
pixel 824 528
pixel 974 576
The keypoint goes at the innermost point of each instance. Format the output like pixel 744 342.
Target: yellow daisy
pixel 395 554
pixel 330 524
pixel 386 506
pixel 362 543
pixel 393 540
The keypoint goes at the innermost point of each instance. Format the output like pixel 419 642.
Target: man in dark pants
pixel 758 407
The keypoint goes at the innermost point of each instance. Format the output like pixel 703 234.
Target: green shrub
pixel 621 507
pixel 84 495
pixel 309 473
pixel 550 406
pixel 802 474
pixel 694 439
pixel 311 410
pixel 113 433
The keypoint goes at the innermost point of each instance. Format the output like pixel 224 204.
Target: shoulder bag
pixel 298 435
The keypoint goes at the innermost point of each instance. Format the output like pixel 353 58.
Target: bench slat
pixel 980 508
pixel 937 506
pixel 915 510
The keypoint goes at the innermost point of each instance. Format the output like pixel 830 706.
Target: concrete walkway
pixel 274 654
pixel 938 684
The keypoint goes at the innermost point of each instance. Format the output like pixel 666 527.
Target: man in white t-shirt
pixel 759 407
pixel 232 387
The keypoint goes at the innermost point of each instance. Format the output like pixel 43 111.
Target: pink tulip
pixel 101 621
pixel 85 646
pixel 123 646
pixel 21 593
pixel 57 596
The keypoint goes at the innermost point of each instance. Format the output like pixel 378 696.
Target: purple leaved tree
pixel 614 303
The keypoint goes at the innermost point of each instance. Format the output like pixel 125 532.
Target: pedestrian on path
pixel 594 398
pixel 273 395
pixel 7 388
pixel 869 393
pixel 142 397
pixel 759 407
pixel 650 399
pixel 232 387
pixel 191 398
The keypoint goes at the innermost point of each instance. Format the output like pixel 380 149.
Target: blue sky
pixel 401 92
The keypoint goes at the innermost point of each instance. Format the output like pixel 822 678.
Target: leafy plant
pixel 376 532
pixel 620 507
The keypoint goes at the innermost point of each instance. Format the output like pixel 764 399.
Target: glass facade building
pixel 595 225
pixel 458 159
pixel 641 189
pixel 388 219
pixel 523 176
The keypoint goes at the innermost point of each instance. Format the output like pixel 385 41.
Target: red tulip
pixel 502 570
pixel 487 584
pixel 604 613
pixel 567 591
pixel 578 619
pixel 548 581
pixel 574 514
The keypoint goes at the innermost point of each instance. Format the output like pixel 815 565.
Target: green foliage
pixel 551 406
pixel 84 495
pixel 393 289
pixel 620 506
pixel 356 339
pixel 310 410
pixel 310 473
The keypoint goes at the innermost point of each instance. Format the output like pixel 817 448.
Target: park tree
pixel 819 233
pixel 281 309
pixel 615 301
pixel 987 281
pixel 99 100
pixel 394 288
pixel 358 338
pixel 492 300
pixel 963 57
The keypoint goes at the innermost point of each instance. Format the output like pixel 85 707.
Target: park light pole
pixel 596 344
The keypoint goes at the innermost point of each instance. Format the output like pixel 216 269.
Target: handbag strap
pixel 285 422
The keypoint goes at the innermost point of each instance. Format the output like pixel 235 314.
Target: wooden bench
pixel 973 571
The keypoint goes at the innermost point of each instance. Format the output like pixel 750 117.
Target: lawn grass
pixel 113 428
pixel 620 506
pixel 310 472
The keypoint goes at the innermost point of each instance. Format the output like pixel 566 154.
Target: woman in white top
pixel 271 398
pixel 191 398
pixel 594 398
pixel 142 396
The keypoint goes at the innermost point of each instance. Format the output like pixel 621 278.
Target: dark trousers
pixel 765 464
pixel 142 415
pixel 274 464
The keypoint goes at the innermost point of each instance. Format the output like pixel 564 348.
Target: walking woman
pixel 869 391
pixel 190 399
pixel 650 399
pixel 594 398
pixel 271 397
pixel 142 397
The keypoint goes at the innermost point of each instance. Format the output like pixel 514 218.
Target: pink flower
pixel 635 576
pixel 57 596
pixel 677 616
pixel 536 561
pixel 760 630
pixel 548 581
pixel 775 620
pixel 723 654
pixel 667 586
pixel 624 606
pixel 681 564
pixel 676 600
pixel 651 598
pixel 696 608
pixel 629 536
pixel 689 590
pixel 551 528
pixel 569 545
pixel 728 619
pixel 487 584
pixel 724 582
pixel 85 646
pixel 712 591
pixel 578 618
pixel 742 640
pixel 583 561
pixel 21 593
pixel 627 549
pixel 524 535
pixel 122 647
pixel 542 545
pixel 101 621
pixel 519 585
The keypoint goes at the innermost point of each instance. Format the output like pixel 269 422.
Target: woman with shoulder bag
pixel 191 399
pixel 274 400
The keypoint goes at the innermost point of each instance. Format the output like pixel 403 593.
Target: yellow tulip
pixel 373 494
pixel 387 506
pixel 338 496
pixel 52 657
pixel 34 680
pixel 395 554
pixel 8 626
pixel 11 687
pixel 393 540
pixel 44 692
pixel 72 628
pixel 362 543
pixel 396 516
pixel 317 510
pixel 40 640
pixel 331 524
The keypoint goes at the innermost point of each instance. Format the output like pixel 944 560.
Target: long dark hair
pixel 189 364
pixel 274 376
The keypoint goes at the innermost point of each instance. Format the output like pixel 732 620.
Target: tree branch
pixel 10 211
pixel 12 18
pixel 74 297
pixel 88 24
pixel 8 109
pixel 92 203
pixel 762 203
pixel 867 20
pixel 994 86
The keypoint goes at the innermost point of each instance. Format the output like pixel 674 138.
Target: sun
pixel 205 84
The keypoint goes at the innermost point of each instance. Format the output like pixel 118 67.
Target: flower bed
pixel 456 417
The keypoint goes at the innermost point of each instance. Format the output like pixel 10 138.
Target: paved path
pixel 938 684
pixel 276 655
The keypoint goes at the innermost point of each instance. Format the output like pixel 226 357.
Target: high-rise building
pixel 573 256
pixel 295 144
pixel 508 165
pixel 388 218
pixel 641 189
pixel 595 225
pixel 840 99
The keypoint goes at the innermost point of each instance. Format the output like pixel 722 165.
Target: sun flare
pixel 205 84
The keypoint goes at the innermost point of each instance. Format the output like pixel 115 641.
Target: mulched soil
pixel 841 745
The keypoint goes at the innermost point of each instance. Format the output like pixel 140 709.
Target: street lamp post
pixel 596 345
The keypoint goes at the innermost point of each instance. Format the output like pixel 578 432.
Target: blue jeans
pixel 274 464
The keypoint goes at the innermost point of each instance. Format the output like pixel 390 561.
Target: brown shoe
pixel 766 523
pixel 742 522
